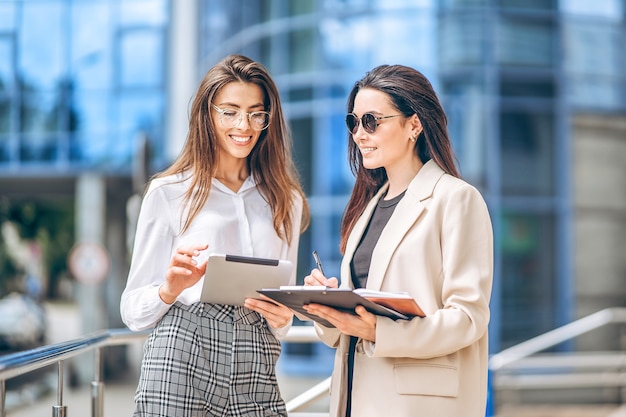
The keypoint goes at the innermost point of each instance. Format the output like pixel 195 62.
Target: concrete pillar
pixel 182 78
pixel 90 229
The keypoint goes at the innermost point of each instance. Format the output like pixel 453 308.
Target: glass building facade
pixel 80 79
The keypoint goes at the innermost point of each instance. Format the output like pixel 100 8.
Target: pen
pixel 318 262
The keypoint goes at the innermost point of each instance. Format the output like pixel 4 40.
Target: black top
pixel 360 266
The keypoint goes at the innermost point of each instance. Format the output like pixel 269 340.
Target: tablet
pixel 230 279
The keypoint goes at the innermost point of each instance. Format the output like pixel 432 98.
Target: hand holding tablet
pixel 230 279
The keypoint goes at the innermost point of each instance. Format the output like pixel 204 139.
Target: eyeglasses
pixel 368 120
pixel 258 120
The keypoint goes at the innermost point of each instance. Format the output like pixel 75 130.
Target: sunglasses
pixel 368 120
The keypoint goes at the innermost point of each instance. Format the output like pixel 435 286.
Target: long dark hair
pixel 411 93
pixel 270 162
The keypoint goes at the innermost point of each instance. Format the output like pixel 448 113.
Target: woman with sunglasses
pixel 411 225
pixel 233 190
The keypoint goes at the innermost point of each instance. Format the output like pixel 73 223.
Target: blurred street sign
pixel 89 262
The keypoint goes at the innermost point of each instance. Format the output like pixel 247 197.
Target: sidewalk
pixel 118 400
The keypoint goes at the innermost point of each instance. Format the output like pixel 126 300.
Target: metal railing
pixel 523 367
pixel 20 363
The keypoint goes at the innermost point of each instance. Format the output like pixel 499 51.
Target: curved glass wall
pixel 79 81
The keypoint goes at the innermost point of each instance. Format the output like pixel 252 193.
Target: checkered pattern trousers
pixel 209 360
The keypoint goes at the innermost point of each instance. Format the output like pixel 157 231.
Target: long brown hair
pixel 270 161
pixel 410 93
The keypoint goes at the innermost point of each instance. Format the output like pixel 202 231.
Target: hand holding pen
pixel 318 277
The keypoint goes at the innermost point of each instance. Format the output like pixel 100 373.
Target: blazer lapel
pixel 404 216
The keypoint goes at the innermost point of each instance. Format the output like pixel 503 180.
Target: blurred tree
pixel 50 225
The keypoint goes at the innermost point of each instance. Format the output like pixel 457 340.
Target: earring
pixel 413 139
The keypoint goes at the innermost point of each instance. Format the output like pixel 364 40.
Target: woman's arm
pixel 141 306
pixel 467 273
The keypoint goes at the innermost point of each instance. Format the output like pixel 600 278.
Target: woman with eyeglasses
pixel 411 225
pixel 232 190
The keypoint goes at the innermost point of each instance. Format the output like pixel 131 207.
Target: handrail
pixel 19 363
pixel 557 336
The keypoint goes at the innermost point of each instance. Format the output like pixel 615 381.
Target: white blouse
pixel 235 223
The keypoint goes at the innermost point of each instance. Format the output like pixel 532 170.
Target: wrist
pixel 166 296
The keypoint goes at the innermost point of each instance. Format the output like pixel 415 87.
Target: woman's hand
pixel 183 272
pixel 362 325
pixel 277 315
pixel 317 278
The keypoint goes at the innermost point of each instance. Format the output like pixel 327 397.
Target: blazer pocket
pixel 426 379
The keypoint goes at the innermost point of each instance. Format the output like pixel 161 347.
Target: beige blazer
pixel 437 246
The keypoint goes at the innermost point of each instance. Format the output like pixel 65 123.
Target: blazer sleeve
pixel 467 274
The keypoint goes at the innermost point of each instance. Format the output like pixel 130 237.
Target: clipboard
pixel 230 279
pixel 343 299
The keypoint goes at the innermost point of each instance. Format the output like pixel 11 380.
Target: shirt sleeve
pixel 141 306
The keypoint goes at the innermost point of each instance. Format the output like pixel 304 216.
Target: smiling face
pixel 389 146
pixel 237 142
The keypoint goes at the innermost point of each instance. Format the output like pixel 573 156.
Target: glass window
pixel 5 145
pixel 463 3
pixel 528 276
pixel 92 147
pixel 597 92
pixel 141 59
pixel 527 152
pixel 594 59
pixel 603 8
pixel 91 60
pixel 6 64
pixel 37 111
pixel 39 147
pixel 93 125
pixel 525 43
pixel 301 129
pixel 301 44
pixel 368 41
pixel 43 45
pixel 7 11
pixel 140 12
pixel 5 113
pixel 462 39
pixel 515 87
pixel 594 48
pixel 137 113
pixel 529 4
pixel 465 105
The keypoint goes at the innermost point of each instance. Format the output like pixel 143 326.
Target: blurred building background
pixel 94 98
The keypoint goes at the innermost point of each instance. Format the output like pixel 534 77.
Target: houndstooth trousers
pixel 209 360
